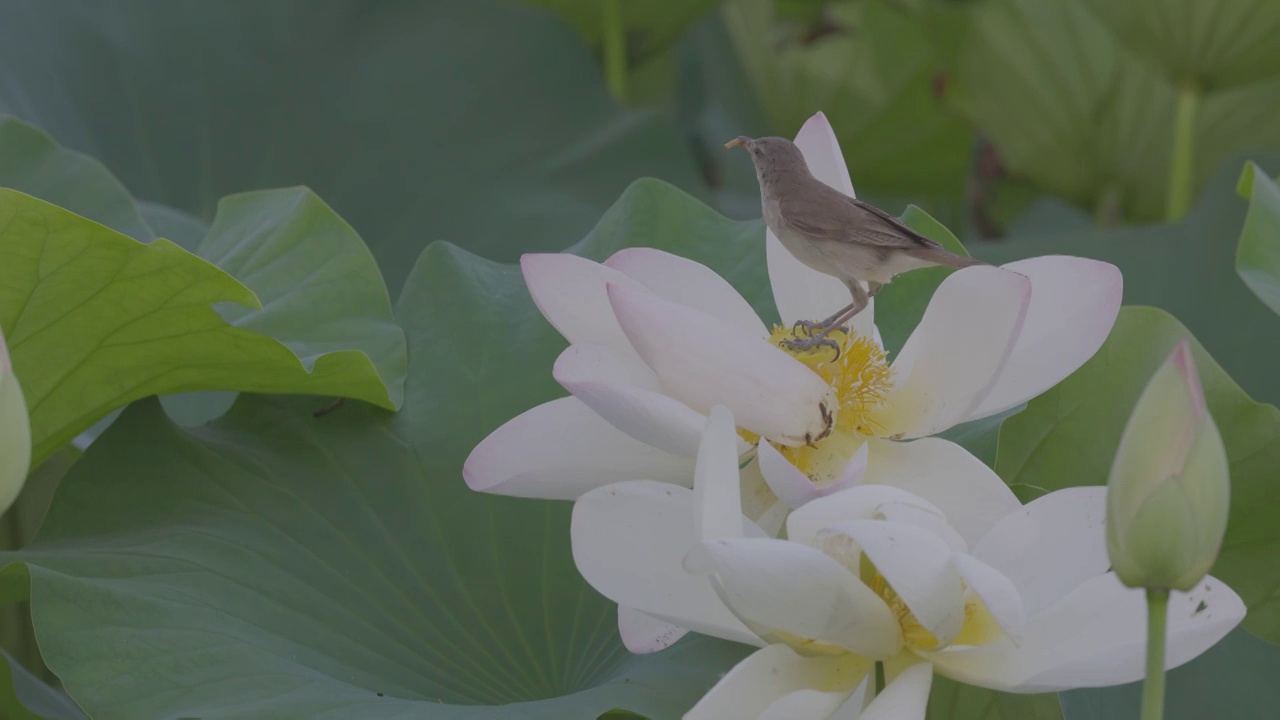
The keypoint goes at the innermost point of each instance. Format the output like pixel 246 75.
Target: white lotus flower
pixel 15 433
pixel 656 340
pixel 894 573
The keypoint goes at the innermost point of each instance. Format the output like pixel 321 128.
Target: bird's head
pixel 770 153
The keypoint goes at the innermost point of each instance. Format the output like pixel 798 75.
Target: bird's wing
pixel 827 214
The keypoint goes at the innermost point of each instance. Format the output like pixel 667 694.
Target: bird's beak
pixel 742 140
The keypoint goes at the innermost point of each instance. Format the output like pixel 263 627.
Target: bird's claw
pixel 810 327
pixel 810 343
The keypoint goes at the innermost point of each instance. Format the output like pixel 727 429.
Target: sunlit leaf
pixel 95 320
pixel 1258 255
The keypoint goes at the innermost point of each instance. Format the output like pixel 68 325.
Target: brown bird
pixel 835 234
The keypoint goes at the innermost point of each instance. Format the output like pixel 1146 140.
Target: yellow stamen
pixel 861 375
pixel 861 378
pixel 979 626
pixel 913 632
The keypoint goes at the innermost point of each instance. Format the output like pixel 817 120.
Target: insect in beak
pixel 742 140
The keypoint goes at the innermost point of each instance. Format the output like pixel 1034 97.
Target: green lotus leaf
pixel 95 320
pixel 482 122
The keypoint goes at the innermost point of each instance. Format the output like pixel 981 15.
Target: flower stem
pixel 1153 688
pixel 879 678
pixel 1182 163
pixel 615 49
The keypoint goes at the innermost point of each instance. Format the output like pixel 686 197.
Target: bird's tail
pixel 945 257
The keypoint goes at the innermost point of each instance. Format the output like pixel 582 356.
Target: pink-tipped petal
pixel 1186 365
pixel 570 292
pixel 686 282
pixel 606 381
pixel 643 634
pixel 957 352
pixel 1074 303
pixel 561 449
pixel 704 362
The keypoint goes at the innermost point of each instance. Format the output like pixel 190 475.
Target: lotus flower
pixel 656 340
pixel 879 573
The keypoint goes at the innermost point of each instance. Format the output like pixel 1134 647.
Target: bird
pixel 835 234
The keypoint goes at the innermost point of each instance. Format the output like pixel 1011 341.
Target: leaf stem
pixel 1182 163
pixel 1153 688
pixel 615 49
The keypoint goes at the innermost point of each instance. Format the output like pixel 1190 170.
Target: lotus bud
pixel 1169 489
pixel 15 433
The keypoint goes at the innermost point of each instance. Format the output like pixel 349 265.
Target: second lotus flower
pixel 877 573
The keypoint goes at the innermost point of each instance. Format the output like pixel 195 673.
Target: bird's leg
pixel 810 326
pixel 860 300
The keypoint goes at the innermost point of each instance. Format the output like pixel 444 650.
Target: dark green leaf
pixel 24 697
pixel 481 122
pixel 32 162
pixel 183 229
pixel 651 26
pixel 17 527
pixel 950 700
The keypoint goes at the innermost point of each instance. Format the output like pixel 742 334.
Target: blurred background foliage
pixel 1114 130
